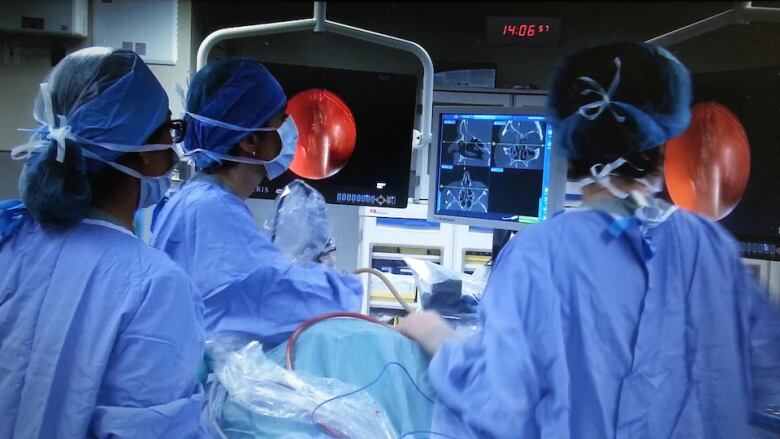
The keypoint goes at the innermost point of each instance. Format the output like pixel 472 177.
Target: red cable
pixel 288 356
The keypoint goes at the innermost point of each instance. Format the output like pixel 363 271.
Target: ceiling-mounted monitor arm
pixel 743 13
pixel 319 16
pixel 320 24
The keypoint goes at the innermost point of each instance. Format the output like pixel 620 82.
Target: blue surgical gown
pixel 100 336
pixel 248 286
pixel 584 337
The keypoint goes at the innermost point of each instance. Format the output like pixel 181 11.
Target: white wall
pixel 19 85
pixel 18 88
pixel 169 76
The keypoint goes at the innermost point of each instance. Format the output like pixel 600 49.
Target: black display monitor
pixel 355 127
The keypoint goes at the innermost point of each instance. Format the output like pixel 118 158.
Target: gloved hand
pixel 427 328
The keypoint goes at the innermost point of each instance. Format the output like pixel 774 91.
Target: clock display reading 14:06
pixel 525 30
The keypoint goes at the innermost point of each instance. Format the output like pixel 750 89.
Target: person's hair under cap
pixel 101 96
pixel 618 99
pixel 236 91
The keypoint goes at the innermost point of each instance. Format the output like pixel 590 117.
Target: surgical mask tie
pixel 152 189
pixel 227 126
pixel 606 96
pixel 288 133
pixel 654 186
pixel 55 134
pixel 600 174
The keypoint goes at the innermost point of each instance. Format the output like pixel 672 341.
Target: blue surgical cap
pixel 106 96
pixel 236 91
pixel 617 99
pixel 102 96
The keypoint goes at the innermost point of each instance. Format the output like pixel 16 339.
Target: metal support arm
pixel 743 13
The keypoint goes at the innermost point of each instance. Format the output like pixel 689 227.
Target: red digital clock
pixel 523 31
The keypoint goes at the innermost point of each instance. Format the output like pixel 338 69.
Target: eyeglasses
pixel 178 129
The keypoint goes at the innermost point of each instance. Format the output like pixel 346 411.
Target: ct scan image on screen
pixel 493 167
pixel 354 134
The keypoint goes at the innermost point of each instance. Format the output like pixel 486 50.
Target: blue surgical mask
pixel 288 133
pixel 153 189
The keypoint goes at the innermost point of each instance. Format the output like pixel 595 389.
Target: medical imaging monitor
pixel 494 167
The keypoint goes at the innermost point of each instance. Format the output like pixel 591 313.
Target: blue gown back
pixel 100 336
pixel 584 337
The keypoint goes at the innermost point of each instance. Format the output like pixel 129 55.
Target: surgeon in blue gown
pixel 239 134
pixel 100 334
pixel 628 318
